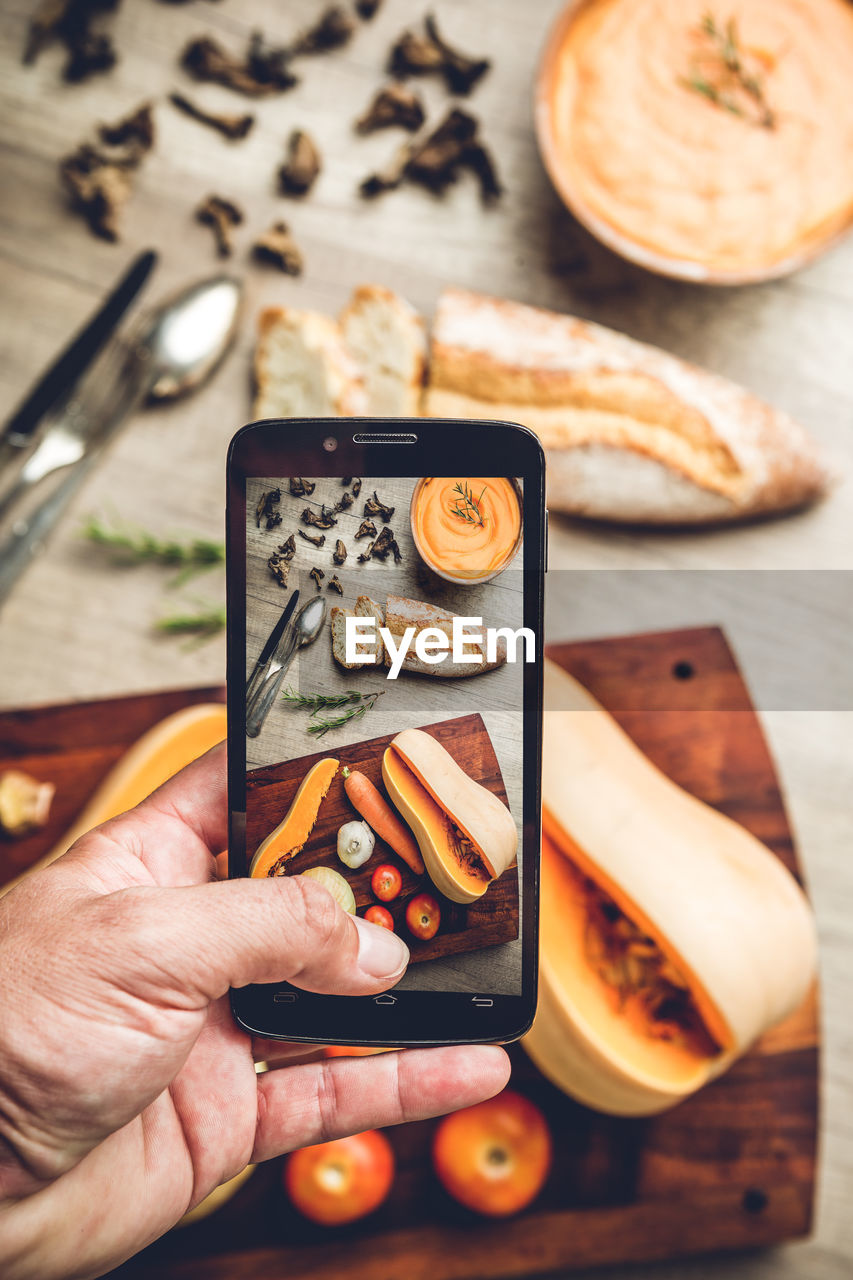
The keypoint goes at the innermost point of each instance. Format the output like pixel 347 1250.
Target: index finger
pixel 198 797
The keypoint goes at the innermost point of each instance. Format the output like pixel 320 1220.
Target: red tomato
pixel 380 915
pixel 386 882
pixel 494 1157
pixel 423 916
pixel 343 1180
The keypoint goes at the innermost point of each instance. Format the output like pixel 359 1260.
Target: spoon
pixel 171 352
pixel 303 631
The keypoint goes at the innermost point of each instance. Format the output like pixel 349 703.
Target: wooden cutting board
pixel 731 1168
pixel 269 791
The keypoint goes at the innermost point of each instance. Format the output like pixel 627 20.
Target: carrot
pixel 379 815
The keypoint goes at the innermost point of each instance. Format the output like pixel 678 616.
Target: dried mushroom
pixel 288 548
pixel 421 54
pixel 394 105
pixel 99 178
pixel 222 216
pixel 274 520
pixel 367 529
pixel 356 488
pixel 436 161
pixel 334 29
pixel 266 505
pixel 346 501
pixel 324 519
pixel 318 575
pixel 300 487
pixel 232 127
pixel 339 554
pixel 70 21
pixel 263 71
pixel 24 802
pixel 367 9
pixel 279 564
pixel 385 545
pixel 299 172
pixel 366 553
pixel 334 584
pixel 316 540
pixel 375 507
pixel 277 247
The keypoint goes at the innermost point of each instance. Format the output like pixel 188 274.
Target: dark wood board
pixel 731 1168
pixel 270 790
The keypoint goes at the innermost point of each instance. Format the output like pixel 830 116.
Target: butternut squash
pixel 158 755
pixel 466 835
pixel 671 938
pixel 290 835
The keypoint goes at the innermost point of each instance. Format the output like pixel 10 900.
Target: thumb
pixel 206 938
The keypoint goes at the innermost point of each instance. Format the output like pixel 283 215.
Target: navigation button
pixel 386 999
pixel 285 997
pixel 482 1002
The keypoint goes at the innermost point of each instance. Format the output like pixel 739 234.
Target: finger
pixel 198 797
pixel 236 932
pixel 323 1100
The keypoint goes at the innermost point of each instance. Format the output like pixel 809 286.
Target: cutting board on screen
pixel 270 790
pixel 731 1168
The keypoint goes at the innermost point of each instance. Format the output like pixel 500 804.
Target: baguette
pixel 385 336
pixel 303 368
pixel 630 433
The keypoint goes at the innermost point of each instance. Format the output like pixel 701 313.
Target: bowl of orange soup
pixel 466 529
pixel 709 142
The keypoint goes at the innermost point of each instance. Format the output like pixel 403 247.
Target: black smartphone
pixel 384 708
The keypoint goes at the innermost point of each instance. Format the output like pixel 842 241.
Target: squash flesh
pixel 291 834
pixel 432 828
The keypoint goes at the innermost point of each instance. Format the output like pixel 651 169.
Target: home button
pixel 386 999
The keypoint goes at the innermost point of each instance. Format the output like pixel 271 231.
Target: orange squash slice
pixel 290 835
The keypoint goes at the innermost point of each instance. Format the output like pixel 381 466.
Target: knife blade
pixel 65 370
pixel 270 645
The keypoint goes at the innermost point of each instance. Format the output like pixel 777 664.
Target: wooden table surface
pixel 75 627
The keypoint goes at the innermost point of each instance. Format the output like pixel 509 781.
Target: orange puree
pixel 473 547
pixel 643 152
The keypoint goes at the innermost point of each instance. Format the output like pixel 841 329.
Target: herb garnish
pixel 203 625
pixel 466 506
pixel 137 546
pixel 732 81
pixel 354 706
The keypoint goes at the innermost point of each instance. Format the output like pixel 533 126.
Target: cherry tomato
pixel 343 1180
pixel 386 882
pixel 423 916
pixel 380 915
pixel 494 1157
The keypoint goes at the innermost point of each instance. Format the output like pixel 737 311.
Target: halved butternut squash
pixel 466 835
pixel 671 938
pixel 290 835
pixel 158 755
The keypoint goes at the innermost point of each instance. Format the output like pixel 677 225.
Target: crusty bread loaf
pixel 631 433
pixel 303 368
pixel 364 608
pixel 367 608
pixel 385 336
pixel 401 613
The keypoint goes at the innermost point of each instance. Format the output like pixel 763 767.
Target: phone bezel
pixel 283 447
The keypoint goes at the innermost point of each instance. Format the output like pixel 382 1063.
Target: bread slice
pixel 401 613
pixel 364 608
pixel 303 368
pixel 386 338
pixel 630 433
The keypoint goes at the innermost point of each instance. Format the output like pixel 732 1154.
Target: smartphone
pixel 384 708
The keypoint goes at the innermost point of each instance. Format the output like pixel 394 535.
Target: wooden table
pixel 76 628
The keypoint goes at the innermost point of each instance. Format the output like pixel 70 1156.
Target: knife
pixel 18 432
pixel 272 642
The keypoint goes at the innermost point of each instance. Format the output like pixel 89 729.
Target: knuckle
pixel 316 913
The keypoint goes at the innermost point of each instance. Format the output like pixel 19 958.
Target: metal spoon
pixel 304 629
pixel 172 351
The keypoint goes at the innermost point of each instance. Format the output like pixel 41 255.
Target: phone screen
pixel 387 649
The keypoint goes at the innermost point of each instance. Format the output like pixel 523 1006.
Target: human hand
pixel 127 1091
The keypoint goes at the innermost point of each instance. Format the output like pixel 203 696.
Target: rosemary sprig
pixel 466 506
pixel 129 545
pixel 355 704
pixel 200 626
pixel 735 75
